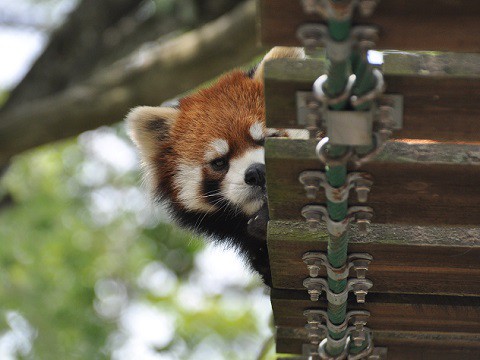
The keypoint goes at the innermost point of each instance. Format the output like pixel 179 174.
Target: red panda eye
pixel 219 164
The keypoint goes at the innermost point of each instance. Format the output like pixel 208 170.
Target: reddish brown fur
pixel 225 110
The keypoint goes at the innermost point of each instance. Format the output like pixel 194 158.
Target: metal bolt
pixel 367 7
pixel 361 268
pixel 358 337
pixel 314 339
pixel 313 270
pixel 310 6
pixel 360 292
pixel 314 294
pixel 362 193
pixel 313 219
pixel 313 224
pixel 362 226
pixel 311 185
pixel 311 191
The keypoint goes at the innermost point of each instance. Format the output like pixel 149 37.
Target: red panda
pixel 205 159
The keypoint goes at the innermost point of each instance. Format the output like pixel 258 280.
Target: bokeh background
pixel 89 267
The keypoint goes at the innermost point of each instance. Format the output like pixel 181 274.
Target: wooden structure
pixel 425 237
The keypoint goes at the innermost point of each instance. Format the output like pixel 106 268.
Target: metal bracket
pixel 332 10
pixel 313 114
pixel 361 39
pixel 361 215
pixel 316 286
pixel 311 111
pixel 316 332
pixel 313 180
pixel 357 318
pixel 358 261
pixel 358 337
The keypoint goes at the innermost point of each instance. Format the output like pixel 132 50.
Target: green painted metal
pixel 338 73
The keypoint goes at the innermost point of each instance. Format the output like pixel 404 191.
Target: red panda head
pixel 207 155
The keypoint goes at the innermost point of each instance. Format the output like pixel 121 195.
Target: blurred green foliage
pixel 79 251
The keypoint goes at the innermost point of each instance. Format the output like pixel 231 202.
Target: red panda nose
pixel 255 174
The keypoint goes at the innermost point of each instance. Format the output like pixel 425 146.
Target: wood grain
pixel 390 312
pixel 415 184
pixel 441 25
pixel 441 93
pixel 401 345
pixel 414 260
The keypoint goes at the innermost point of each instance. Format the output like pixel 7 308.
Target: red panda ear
pixel 149 127
pixel 278 52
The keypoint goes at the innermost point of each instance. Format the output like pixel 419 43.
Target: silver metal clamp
pixel 358 261
pixel 361 38
pixel 316 286
pixel 359 181
pixel 357 318
pixel 361 215
pixel 332 10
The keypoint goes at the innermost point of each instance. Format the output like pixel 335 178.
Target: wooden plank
pixel 441 25
pixel 441 93
pixel 415 184
pixel 400 345
pixel 414 260
pixel 389 312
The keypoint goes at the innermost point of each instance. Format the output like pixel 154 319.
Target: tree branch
pixel 70 53
pixel 153 74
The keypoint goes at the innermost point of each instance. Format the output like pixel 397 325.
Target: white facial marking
pixel 299 134
pixel 217 148
pixel 188 182
pixel 234 187
pixel 256 131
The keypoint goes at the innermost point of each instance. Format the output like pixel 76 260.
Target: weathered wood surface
pixel 401 345
pixel 441 25
pixel 413 260
pixel 389 312
pixel 415 184
pixel 441 93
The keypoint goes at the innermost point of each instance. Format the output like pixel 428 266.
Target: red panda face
pixel 207 155
pixel 217 140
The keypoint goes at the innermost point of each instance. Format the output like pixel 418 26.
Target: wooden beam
pixel 440 25
pixel 441 93
pixel 389 312
pixel 400 345
pixel 414 260
pixel 415 184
